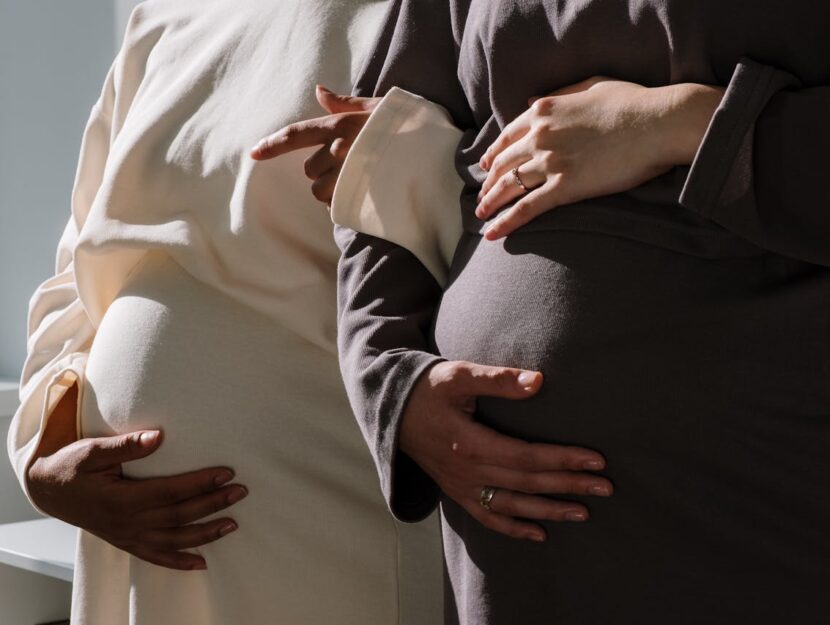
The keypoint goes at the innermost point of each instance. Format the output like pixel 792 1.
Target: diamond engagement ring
pixel 487 494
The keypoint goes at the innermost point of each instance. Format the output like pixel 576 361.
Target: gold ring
pixel 487 494
pixel 518 179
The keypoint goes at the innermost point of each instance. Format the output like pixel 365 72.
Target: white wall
pixel 54 55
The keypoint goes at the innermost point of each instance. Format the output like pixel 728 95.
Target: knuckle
pixel 457 372
pixel 542 106
pixel 537 136
pixel 528 460
pixel 318 192
pixel 533 483
pixel 522 209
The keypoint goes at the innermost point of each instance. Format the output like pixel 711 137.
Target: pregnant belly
pixel 224 383
pixel 704 383
pixel 229 387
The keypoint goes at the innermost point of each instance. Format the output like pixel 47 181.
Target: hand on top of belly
pixel 80 482
pixel 439 432
pixel 595 138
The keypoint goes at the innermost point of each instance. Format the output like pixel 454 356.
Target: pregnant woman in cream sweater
pixel 195 295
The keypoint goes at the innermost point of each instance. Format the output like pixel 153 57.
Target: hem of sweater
pixel 746 96
pixel 410 493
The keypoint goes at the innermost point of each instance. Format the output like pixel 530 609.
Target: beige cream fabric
pixel 400 177
pixel 164 169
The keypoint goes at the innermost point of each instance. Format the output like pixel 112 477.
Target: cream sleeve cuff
pixel 399 181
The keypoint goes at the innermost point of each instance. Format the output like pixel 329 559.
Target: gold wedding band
pixel 518 179
pixel 487 494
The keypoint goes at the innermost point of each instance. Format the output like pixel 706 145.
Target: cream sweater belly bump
pixel 195 292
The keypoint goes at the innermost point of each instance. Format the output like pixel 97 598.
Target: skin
pixel 597 137
pixel 335 132
pixel 81 483
pixel 439 431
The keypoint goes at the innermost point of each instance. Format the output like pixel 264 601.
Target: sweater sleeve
pixel 60 332
pixel 761 170
pixel 386 296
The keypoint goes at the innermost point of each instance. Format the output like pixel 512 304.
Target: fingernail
pixel 199 566
pixel 526 379
pixel 148 439
pixel 594 465
pixel 538 537
pixel 227 528
pixel 223 478
pixel 237 494
pixel 600 491
pixel 575 516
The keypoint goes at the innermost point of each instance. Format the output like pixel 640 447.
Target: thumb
pixel 108 451
pixel 484 381
pixel 337 103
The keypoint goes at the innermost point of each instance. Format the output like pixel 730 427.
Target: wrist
pixel 687 110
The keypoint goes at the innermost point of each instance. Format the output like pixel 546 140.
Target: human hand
pixel 335 132
pixel 598 137
pixel 81 483
pixel 439 432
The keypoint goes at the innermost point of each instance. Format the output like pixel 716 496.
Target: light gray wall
pixel 54 55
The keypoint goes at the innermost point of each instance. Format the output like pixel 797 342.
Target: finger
pixel 514 155
pixel 512 504
pixel 105 452
pixel 187 537
pixel 304 134
pixel 514 131
pixel 482 445
pixel 340 148
pixel 338 103
pixel 176 560
pixel 507 188
pixel 547 482
pixel 194 509
pixel 319 163
pixel 532 205
pixel 163 491
pixel 514 528
pixel 323 187
pixel 466 379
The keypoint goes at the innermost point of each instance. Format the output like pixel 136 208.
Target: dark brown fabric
pixel 682 326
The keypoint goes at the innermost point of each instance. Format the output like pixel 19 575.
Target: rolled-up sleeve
pixel 762 168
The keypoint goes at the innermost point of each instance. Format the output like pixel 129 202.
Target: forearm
pixel 682 112
pixel 386 301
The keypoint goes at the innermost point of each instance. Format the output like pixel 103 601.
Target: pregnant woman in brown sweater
pixel 678 306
